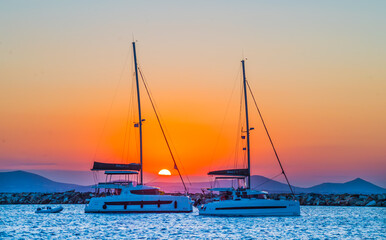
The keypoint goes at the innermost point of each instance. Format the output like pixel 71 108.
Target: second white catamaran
pixel 244 201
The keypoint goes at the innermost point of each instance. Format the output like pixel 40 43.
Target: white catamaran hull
pixel 140 204
pixel 251 207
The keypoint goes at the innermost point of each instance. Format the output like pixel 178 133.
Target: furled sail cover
pixel 231 172
pixel 116 166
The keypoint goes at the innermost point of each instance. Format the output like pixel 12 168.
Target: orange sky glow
pixel 317 71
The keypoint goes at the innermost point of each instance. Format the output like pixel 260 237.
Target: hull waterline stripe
pixel 250 207
pixel 138 203
pixel 138 211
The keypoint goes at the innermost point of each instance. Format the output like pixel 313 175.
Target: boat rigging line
pixel 239 133
pixel 269 179
pixel 95 176
pixel 162 129
pixel 127 128
pixel 270 139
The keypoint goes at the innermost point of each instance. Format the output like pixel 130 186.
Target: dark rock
pixel 72 197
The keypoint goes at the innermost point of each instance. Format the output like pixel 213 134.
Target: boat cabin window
pixel 225 195
pixel 146 192
pixel 259 196
pixel 110 192
pixel 117 191
pixel 244 195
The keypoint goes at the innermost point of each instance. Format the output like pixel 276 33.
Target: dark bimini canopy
pixel 231 172
pixel 120 172
pixel 231 177
pixel 114 166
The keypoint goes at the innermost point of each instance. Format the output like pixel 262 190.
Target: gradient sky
pixel 317 69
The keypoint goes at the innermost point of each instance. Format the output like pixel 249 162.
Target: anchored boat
pixel 49 209
pixel 243 200
pixel 131 195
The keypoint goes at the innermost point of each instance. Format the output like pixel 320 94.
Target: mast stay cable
pixel 162 129
pixel 172 147
pixel 268 180
pixel 270 139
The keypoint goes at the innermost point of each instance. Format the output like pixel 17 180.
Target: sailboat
pixel 124 196
pixel 243 200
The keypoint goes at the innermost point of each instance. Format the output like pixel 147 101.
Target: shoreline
pixel 305 199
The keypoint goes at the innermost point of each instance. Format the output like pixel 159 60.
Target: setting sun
pixel 164 172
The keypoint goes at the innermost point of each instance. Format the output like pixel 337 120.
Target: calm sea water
pixel 20 221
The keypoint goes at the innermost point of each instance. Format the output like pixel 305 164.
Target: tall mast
pixel 247 123
pixel 139 114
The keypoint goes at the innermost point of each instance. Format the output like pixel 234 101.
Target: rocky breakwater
pixel 314 199
pixel 69 197
pixel 311 199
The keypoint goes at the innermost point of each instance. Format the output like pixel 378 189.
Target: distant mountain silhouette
pixel 265 184
pixel 257 182
pixel 21 181
pixel 272 186
pixel 357 185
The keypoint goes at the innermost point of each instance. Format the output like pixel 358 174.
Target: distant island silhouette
pixel 22 181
